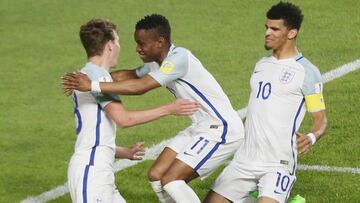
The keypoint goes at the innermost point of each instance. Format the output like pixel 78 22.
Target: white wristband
pixel 95 86
pixel 312 137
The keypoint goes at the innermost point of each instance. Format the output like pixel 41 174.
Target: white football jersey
pixel 96 132
pixel 276 109
pixel 185 77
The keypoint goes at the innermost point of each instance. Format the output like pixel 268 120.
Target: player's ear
pixel 292 34
pixel 110 45
pixel 161 41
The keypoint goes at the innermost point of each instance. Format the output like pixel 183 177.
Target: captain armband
pixel 314 102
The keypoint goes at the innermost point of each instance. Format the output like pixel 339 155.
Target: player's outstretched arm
pixel 124 74
pixel 81 82
pixel 124 118
pixel 136 152
pixel 306 141
pixel 136 86
pixel 71 81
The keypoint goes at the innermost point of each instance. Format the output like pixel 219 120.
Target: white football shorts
pixel 92 184
pixel 200 153
pixel 236 182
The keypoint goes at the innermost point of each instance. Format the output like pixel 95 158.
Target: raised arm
pixel 319 124
pixel 124 118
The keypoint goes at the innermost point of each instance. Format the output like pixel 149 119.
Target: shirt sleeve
pixel 105 99
pixel 312 89
pixel 143 70
pixel 173 67
pixel 100 75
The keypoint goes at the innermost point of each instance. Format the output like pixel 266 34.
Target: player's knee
pixel 154 174
pixel 167 178
pixel 213 197
pixel 266 200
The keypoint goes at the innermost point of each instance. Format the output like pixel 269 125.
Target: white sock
pixel 181 192
pixel 163 196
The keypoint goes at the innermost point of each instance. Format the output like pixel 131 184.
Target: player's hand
pixel 183 107
pixel 137 151
pixel 303 143
pixel 65 83
pixel 75 80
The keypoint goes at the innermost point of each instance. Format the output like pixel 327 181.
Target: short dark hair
pixel 95 34
pixel 290 13
pixel 156 22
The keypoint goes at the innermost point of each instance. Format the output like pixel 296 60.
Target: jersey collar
pixel 171 49
pixel 297 57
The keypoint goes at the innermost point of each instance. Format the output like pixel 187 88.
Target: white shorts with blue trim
pixel 91 184
pixel 236 182
pixel 200 153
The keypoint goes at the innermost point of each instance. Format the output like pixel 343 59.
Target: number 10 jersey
pixel 280 92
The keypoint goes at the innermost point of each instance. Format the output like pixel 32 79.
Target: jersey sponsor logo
pixel 286 76
pixel 284 162
pixel 187 153
pixel 166 67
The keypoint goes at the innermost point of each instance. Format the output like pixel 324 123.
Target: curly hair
pixel 290 13
pixel 157 23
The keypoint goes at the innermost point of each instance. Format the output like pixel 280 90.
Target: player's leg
pixel 275 186
pixel 213 197
pixel 174 182
pixel 75 183
pixel 232 185
pixel 199 158
pixel 101 186
pixel 163 162
pixel 81 183
pixel 117 198
pixel 266 200
pixel 159 167
pixel 182 170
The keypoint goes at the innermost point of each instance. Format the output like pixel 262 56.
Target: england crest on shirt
pixel 286 76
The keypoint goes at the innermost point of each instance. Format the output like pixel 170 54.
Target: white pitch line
pixel 154 151
pixel 151 154
pixel 341 71
pixel 328 168
pixel 49 195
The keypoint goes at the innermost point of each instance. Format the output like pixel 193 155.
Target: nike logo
pixel 188 154
pixel 256 71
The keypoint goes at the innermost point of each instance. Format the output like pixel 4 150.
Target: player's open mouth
pixel 142 55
